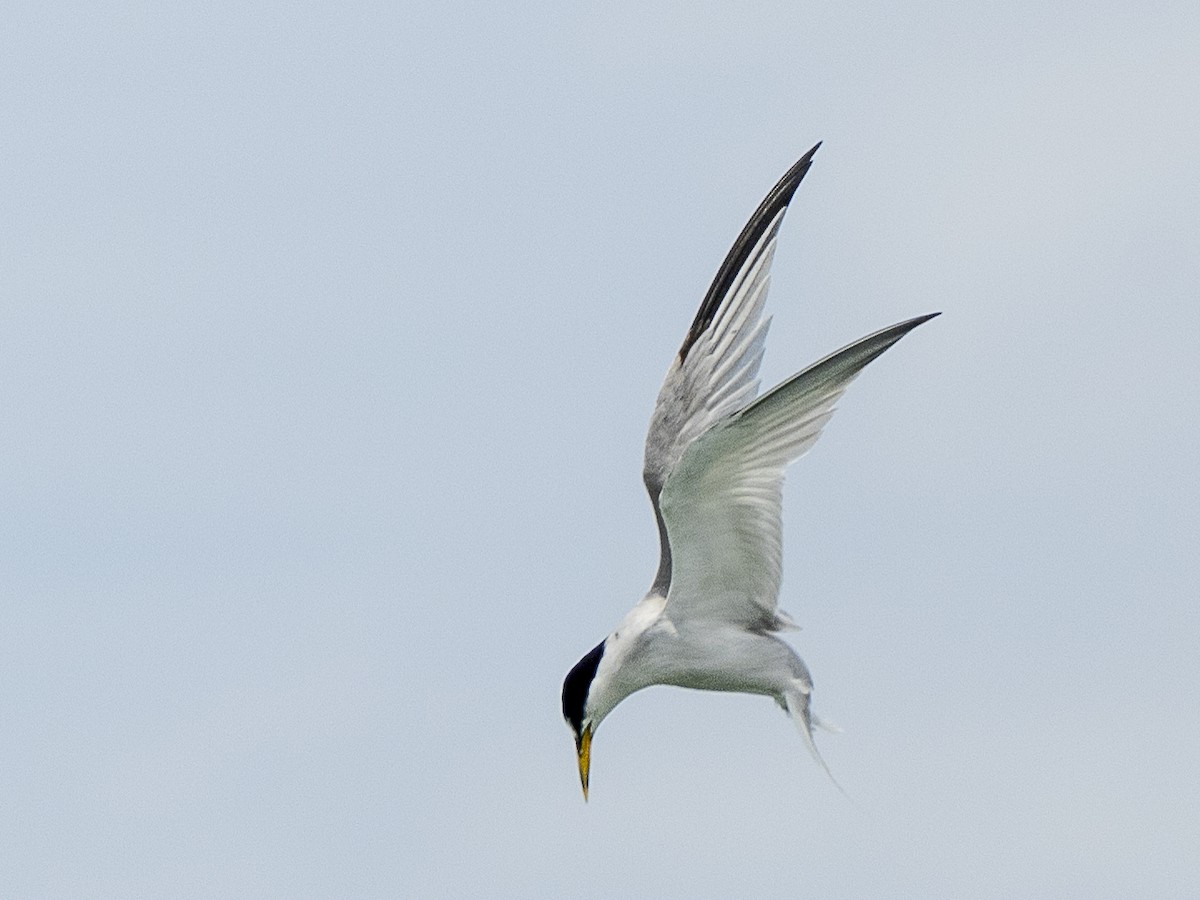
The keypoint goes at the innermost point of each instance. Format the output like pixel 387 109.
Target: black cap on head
pixel 576 686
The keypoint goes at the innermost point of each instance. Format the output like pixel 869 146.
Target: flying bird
pixel 714 465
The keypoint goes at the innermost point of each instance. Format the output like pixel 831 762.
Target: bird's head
pixel 581 714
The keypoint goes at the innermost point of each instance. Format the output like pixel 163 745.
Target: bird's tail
pixel 797 703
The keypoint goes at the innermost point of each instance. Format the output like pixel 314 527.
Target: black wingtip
pixel 778 198
pixel 902 328
pixel 781 195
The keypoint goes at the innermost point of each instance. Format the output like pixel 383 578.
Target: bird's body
pixel 648 648
pixel 714 464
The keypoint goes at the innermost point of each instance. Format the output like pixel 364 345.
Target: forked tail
pixel 797 703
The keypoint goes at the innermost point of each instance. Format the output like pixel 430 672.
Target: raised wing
pixel 714 373
pixel 721 504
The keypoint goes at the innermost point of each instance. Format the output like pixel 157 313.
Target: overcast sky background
pixel 328 339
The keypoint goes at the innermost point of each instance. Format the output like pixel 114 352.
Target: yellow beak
pixel 584 748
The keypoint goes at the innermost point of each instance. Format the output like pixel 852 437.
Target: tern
pixel 714 466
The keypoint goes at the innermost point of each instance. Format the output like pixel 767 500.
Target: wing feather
pixel 715 372
pixel 721 505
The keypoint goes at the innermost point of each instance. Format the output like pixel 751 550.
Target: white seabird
pixel 714 466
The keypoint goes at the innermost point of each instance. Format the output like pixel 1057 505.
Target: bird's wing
pixel 722 504
pixel 715 371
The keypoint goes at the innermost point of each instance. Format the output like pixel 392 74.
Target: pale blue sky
pixel 328 339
